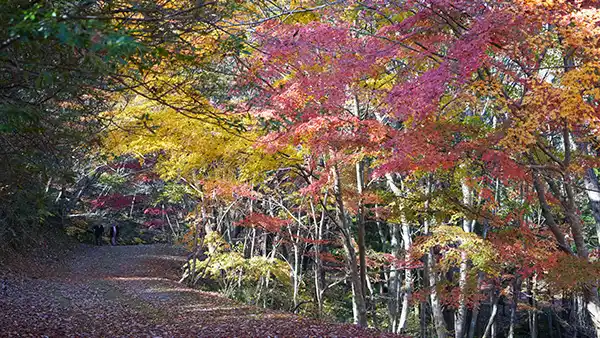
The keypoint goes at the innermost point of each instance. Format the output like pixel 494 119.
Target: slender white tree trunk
pixel 490 327
pixel 408 280
pixel 394 278
pixel 593 192
pixel 436 306
pixel 460 318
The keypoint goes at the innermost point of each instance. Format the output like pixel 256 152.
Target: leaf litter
pixel 132 291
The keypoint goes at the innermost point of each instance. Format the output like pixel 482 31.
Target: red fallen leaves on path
pixel 132 291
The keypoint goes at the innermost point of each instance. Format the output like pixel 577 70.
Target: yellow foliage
pixel 228 264
pixel 187 144
pixel 456 241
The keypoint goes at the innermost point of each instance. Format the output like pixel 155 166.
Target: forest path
pixel 133 291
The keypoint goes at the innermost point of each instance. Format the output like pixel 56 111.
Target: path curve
pixel 132 291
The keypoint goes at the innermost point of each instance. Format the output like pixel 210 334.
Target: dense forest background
pixel 421 167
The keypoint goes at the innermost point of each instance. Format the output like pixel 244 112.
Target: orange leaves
pixel 581 30
pixel 526 251
pixel 352 199
pixel 542 4
pixel 580 96
pixel 227 190
pixel 262 221
pixel 402 263
pixel 568 272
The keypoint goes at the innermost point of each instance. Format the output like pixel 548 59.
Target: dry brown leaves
pixel 131 291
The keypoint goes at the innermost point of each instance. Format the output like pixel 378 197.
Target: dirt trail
pixel 132 291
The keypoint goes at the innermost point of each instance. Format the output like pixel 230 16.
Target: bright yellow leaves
pixel 187 145
pixel 382 82
pixel 301 17
pixel 545 4
pixel 454 241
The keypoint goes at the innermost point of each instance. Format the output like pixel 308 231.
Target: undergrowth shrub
pixel 258 280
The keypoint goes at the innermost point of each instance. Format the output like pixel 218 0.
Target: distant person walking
pixel 114 232
pixel 98 231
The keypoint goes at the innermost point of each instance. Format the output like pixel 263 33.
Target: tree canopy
pixel 412 166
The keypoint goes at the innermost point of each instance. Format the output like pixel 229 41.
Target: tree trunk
pixel 296 272
pixel 489 329
pixel 394 279
pixel 360 220
pixel 408 280
pixel 132 205
pixel 432 278
pixel 592 188
pixel 533 325
pixel 551 324
pixel 475 313
pixel 195 254
pixel 473 324
pixel 394 275
pixel 460 318
pixel 516 285
pixel 423 319
pixel 574 309
pixel 436 306
pixel 590 296
pixel 373 306
pixel 318 235
pixel 358 301
pixel 253 242
pixel 547 213
pixel 590 292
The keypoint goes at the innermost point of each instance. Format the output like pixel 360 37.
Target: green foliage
pixel 112 181
pixel 338 306
pixel 55 67
pixel 174 193
pixel 78 233
pixel 252 279
pixel 22 212
pixel 79 229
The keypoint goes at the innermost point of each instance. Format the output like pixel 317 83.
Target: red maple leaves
pixel 114 201
pixel 262 221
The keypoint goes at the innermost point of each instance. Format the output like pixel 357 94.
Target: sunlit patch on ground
pixel 165 257
pixel 137 278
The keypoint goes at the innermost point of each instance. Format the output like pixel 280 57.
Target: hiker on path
pixel 98 231
pixel 114 232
